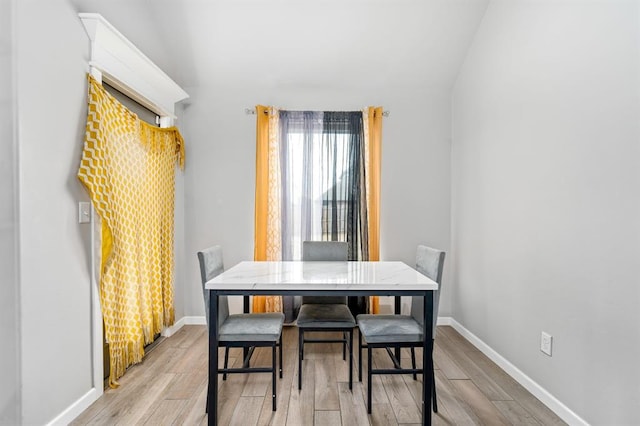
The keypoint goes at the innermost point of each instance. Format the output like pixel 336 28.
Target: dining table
pixel 353 278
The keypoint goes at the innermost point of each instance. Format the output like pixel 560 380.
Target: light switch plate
pixel 546 341
pixel 84 212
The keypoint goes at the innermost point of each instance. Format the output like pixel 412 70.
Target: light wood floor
pixel 169 388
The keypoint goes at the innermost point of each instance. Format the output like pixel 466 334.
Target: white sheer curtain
pixel 301 171
pixel 323 193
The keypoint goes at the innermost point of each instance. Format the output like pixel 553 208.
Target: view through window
pixel 322 169
pixel 317 195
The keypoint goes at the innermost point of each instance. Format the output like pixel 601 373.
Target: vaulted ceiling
pixel 305 44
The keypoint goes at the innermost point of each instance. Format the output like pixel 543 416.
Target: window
pixel 322 159
pixel 317 178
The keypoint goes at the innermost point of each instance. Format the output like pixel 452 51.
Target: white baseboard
pixel 444 321
pixel 555 405
pixel 201 320
pixel 75 409
pixel 170 331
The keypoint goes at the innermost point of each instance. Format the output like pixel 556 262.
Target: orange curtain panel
pixel 374 131
pixel 267 209
pixel 262 182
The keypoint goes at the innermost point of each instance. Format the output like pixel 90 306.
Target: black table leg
pixel 245 305
pixel 427 353
pixel 397 308
pixel 212 393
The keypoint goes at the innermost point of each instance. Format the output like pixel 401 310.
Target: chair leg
pixel 433 387
pixel 351 359
pixel 344 345
pixel 300 356
pixel 226 362
pixel 359 357
pixel 369 379
pixel 413 363
pixel 273 376
pixel 281 356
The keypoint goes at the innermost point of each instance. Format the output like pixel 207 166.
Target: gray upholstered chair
pixel 398 331
pixel 241 330
pixel 325 313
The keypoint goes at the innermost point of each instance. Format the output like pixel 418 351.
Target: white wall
pixel 301 56
pixel 545 200
pixel 220 175
pixel 9 337
pixel 52 62
pixel 54 261
pixel 180 284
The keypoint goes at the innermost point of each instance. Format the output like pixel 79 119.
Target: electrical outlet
pixel 546 341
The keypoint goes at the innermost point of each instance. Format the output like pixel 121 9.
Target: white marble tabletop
pixel 296 275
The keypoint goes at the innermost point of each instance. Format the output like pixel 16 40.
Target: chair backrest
pixel 327 251
pixel 429 262
pixel 211 265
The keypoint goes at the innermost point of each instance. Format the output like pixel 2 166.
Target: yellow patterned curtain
pixel 267 215
pixel 128 168
pixel 373 142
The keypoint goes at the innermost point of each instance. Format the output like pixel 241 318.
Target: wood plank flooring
pixel 169 388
